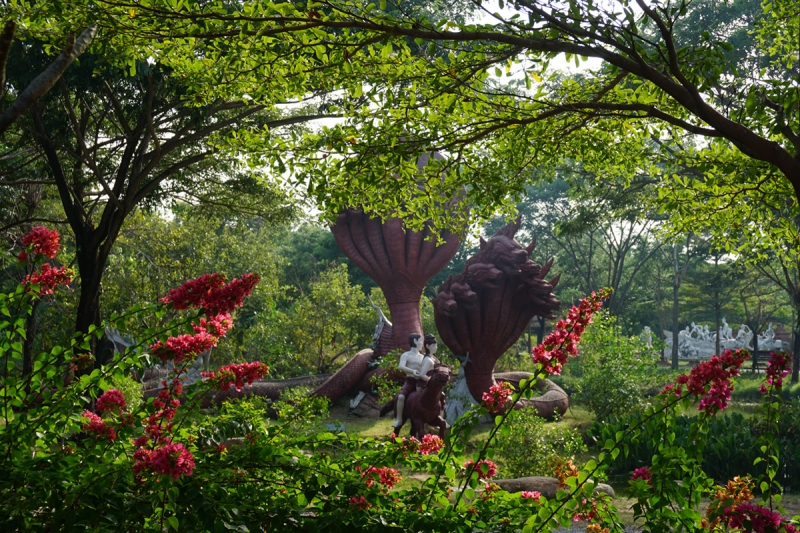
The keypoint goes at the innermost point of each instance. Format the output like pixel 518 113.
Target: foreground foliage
pixel 77 456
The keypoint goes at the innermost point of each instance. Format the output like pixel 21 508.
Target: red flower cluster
pixel 216 325
pixel 169 459
pixel 210 293
pixel 531 494
pixel 236 375
pixel 717 372
pixel 757 519
pixel 383 475
pixel 184 347
pixel 589 513
pixel 42 241
pixel 430 444
pixel 496 398
pixel 97 426
pixel 490 470
pixel 643 473
pixel 778 367
pixel 164 457
pixel 160 422
pixel 360 502
pixel 111 400
pixel 559 345
pixel 48 278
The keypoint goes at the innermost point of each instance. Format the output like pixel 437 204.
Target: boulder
pixel 548 486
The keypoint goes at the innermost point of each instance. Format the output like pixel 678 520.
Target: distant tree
pixel 332 320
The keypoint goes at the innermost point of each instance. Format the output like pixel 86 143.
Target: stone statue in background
pixel 647 336
pixel 725 331
pixel 768 342
pixel 697 342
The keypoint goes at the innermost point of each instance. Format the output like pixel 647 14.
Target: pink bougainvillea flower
pixel 754 518
pixel 491 468
pixel 643 473
pixel 383 475
pixel 711 380
pixel 42 241
pixel 236 375
pixel 360 502
pixel 192 292
pixel 230 297
pixel 217 325
pixel 48 278
pixel 777 369
pixel 97 426
pixel 497 396
pixel 111 400
pixel 430 444
pixel 210 293
pixel 183 347
pixel 562 343
pixel 531 494
pixel 167 459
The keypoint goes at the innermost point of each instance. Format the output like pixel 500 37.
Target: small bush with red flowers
pixel 77 457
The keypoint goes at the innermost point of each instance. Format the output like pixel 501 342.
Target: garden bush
pixel 530 446
pixel 613 373
pixel 730 450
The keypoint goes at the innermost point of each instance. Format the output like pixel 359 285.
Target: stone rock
pixel 548 486
pixel 459 399
pixel 368 407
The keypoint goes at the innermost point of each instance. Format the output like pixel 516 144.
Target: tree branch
pixel 6 38
pixel 45 81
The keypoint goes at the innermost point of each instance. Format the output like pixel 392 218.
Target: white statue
pixel 707 334
pixel 647 336
pixel 725 331
pixel 767 341
pixel 416 367
pixel 744 333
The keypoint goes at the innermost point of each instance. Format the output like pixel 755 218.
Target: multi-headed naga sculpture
pixel 400 261
pixel 481 312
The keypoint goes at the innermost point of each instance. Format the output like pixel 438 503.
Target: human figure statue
pixel 769 334
pixel 416 366
pixel 725 331
pixel 696 331
pixel 706 333
pixel 743 337
pixel 431 346
pixel 648 337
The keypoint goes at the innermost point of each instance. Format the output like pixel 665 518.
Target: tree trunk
pixel 717 318
pixel 92 260
pixel 540 333
pixel 675 287
pixel 796 339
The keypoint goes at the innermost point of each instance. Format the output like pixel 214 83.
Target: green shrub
pixel 729 452
pixel 614 373
pixel 297 411
pixel 130 389
pixel 530 445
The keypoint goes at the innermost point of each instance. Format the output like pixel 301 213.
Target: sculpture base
pixel 459 399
